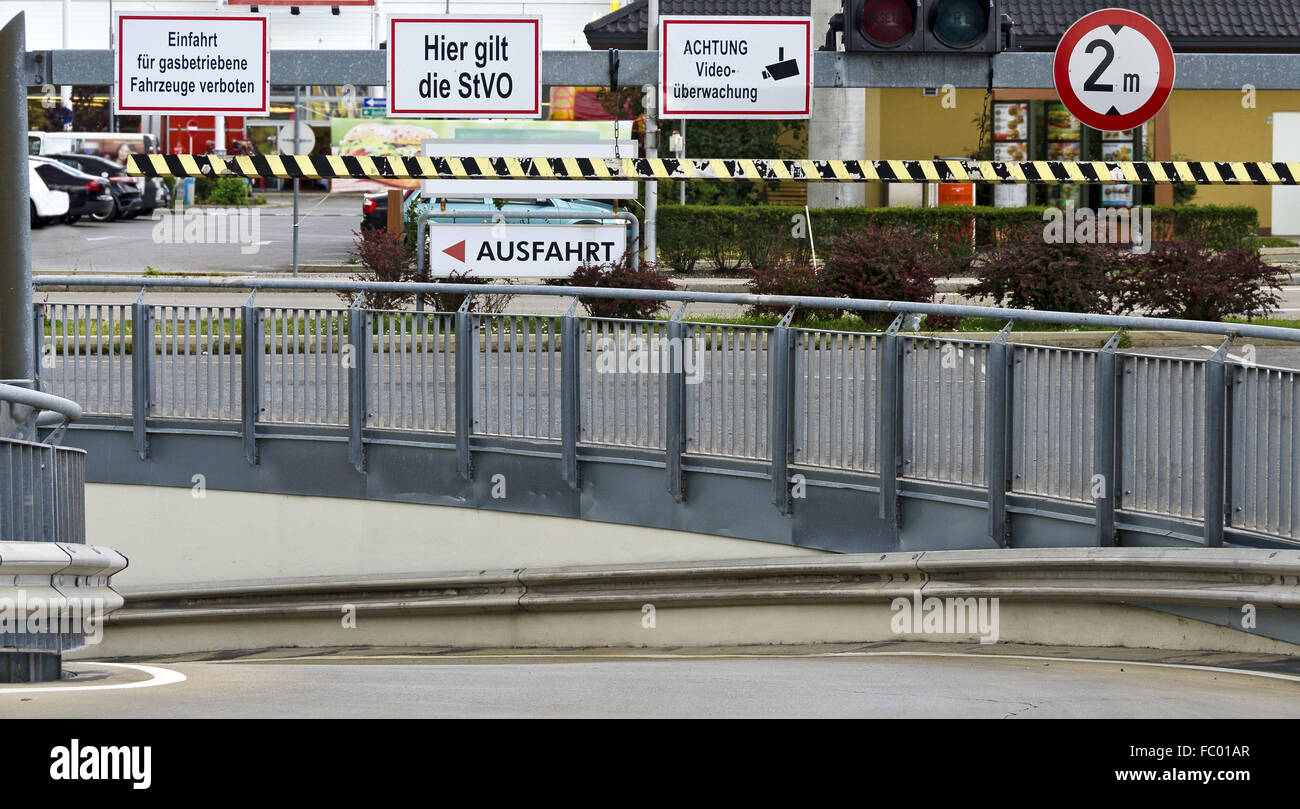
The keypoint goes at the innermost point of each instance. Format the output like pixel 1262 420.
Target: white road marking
pixel 158 676
pixel 1230 356
pixel 100 238
pixel 596 658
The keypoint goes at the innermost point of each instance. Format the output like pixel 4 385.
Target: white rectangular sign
pixel 176 65
pixel 735 67
pixel 521 250
pixel 528 189
pixel 465 67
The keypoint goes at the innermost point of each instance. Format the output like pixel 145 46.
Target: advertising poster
pixel 1061 125
pixel 1120 194
pixel 1010 196
pixel 392 137
pixel 1010 122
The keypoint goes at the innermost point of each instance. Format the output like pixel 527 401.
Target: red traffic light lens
pixel 887 22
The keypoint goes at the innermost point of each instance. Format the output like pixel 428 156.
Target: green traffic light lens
pixel 960 23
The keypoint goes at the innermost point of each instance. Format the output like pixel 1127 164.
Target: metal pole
pixel 889 421
pixel 16 342
pixel 652 141
pixel 296 91
pixel 65 92
pixel 1216 427
pixel 682 184
pixel 997 433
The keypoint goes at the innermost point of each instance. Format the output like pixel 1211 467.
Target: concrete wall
pixel 838 126
pixel 172 537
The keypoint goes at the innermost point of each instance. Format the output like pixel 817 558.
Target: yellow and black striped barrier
pixel 1039 172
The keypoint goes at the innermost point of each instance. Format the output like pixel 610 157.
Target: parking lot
pixel 132 245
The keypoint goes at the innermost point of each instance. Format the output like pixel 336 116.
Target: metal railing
pixel 42 486
pixel 1107 430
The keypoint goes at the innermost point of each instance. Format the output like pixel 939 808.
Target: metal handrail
pixel 685 296
pixel 54 409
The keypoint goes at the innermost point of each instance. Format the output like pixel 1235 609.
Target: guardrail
pixel 42 486
pixel 1104 438
pixel 1108 597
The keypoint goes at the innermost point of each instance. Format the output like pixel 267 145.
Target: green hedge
pixel 732 237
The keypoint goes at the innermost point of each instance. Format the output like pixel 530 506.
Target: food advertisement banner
pixel 393 137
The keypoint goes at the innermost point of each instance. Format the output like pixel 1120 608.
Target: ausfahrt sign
pixel 735 67
pixel 1114 69
pixel 201 64
pixel 465 67
pixel 522 251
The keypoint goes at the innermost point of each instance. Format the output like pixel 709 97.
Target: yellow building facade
pixel 1195 125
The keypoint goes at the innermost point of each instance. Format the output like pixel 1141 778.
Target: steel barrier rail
pixel 1093 596
pixel 53 282
pixel 1038 172
pixel 1203 445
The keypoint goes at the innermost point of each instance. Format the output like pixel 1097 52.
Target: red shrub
pixel 1183 280
pixel 621 275
pixel 1027 272
pixel 789 275
pixel 885 262
pixel 385 258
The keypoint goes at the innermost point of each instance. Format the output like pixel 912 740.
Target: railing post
pixel 359 341
pixel 675 406
pixel 889 421
pixel 780 393
pixel 466 349
pixel 251 356
pixel 1106 482
pixel 571 349
pixel 141 364
pixel 38 343
pixel 1216 428
pixel 997 433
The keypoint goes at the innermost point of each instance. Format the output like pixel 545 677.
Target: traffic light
pixel 923 26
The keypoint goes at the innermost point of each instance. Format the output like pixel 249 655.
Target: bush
pixel 203 185
pixel 493 304
pixel 884 262
pixel 679 246
pixel 789 275
pixel 1184 280
pixel 226 191
pixel 385 258
pixel 620 275
pixel 1027 272
pixel 1217 227
pixel 754 235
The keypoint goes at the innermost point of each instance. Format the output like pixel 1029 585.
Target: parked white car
pixel 47 206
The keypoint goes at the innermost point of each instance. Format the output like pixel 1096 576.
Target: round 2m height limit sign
pixel 1114 69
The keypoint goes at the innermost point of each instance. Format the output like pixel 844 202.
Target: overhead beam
pixel 1196 71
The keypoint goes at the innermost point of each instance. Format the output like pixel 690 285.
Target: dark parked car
pixel 128 197
pixel 87 195
pixel 374 209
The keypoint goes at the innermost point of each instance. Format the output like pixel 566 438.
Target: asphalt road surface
pixel 568 685
pixel 258 239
